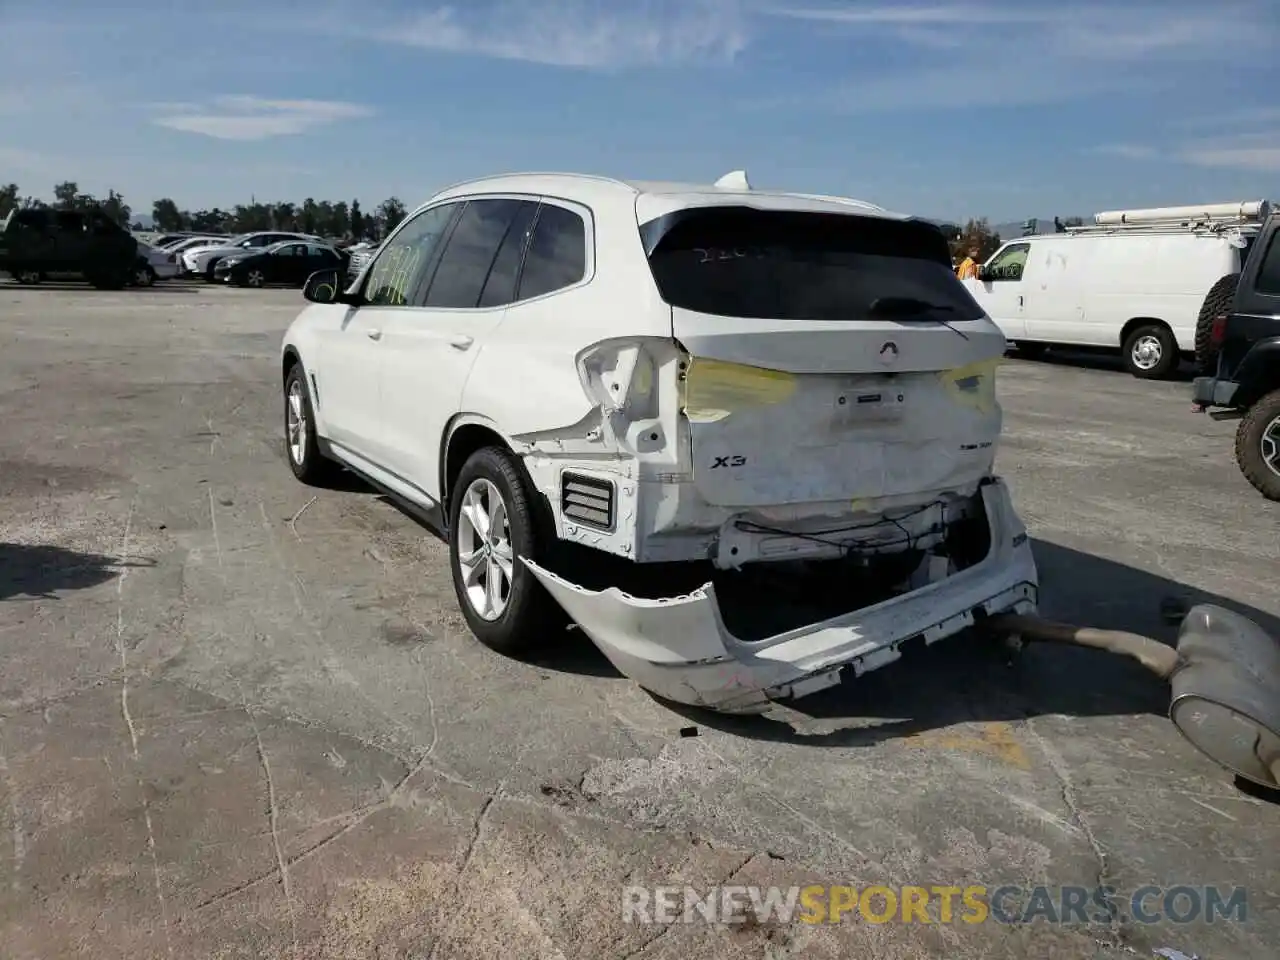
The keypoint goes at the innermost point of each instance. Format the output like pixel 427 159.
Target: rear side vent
pixel 587 500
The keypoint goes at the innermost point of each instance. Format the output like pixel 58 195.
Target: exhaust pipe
pixel 1224 676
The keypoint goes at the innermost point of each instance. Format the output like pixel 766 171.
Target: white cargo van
pixel 1136 280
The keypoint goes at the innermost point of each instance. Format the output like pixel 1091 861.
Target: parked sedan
pixel 287 263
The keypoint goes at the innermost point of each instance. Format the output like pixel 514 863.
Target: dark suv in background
pixel 38 243
pixel 1246 385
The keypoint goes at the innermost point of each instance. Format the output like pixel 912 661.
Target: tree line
pixel 342 220
pixel 325 218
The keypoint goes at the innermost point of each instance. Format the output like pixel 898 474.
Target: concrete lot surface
pixel 243 718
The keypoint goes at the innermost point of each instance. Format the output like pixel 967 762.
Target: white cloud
pixel 581 33
pixel 1255 152
pixel 1127 151
pixel 1260 159
pixel 255 118
pixel 907 15
pixel 1010 53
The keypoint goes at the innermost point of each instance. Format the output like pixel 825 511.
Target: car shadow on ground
pixel 1105 362
pixel 969 678
pixel 43 571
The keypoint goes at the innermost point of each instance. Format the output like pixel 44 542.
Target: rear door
pixel 834 357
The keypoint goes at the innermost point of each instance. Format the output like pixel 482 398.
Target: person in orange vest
pixel 969 265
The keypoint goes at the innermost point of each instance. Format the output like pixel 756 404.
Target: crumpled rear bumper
pixel 680 649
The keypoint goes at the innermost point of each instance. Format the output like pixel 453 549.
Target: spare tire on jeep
pixel 1217 302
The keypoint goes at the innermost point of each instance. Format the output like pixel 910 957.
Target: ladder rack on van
pixel 1245 217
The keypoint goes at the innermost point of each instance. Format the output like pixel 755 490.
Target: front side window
pixel 464 266
pixel 1009 263
pixel 557 256
pixel 402 261
pixel 784 265
pixel 1268 281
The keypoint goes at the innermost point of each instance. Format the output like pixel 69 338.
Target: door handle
pixel 373 333
pixel 461 342
pixel 1019 299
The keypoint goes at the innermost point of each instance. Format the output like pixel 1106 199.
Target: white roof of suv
pixel 654 199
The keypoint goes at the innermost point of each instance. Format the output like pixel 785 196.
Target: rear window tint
pixel 740 262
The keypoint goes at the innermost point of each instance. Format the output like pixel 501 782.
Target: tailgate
pixel 832 358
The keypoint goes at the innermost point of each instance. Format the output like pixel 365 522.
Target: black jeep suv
pixel 1246 386
pixel 38 242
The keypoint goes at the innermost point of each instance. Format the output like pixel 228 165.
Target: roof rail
pixel 1244 211
pixel 1215 218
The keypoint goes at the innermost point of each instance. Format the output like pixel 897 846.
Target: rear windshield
pixel 742 262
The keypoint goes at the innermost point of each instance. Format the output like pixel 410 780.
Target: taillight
pixel 1218 331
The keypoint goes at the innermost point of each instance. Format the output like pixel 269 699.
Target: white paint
pixel 1081 289
pixel 680 648
pixel 595 378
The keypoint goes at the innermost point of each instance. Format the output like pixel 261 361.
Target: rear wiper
pixel 908 309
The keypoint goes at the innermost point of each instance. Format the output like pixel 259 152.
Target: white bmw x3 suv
pixel 710 381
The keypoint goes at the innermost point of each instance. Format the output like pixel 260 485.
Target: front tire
pixel 144 276
pixel 492 524
pixel 1151 352
pixel 28 277
pixel 303 451
pixel 1258 446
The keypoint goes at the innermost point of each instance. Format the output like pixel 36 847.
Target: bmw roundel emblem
pixel 889 353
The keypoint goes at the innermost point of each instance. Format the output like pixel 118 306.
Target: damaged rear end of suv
pixel 792 462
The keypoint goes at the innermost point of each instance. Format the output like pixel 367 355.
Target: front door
pixel 353 349
pixel 1002 294
pixel 430 351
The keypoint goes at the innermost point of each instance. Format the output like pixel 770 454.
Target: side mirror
pixel 323 286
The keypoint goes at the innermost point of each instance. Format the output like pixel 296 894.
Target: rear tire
pixel 493 522
pixel 1216 303
pixel 1258 446
pixel 1151 352
pixel 144 276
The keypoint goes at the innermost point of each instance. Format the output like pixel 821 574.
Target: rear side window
pixel 557 256
pixel 500 287
pixel 742 262
pixel 1268 281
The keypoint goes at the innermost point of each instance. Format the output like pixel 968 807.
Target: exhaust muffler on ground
pixel 1224 676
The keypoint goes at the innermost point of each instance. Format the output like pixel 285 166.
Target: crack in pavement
pixel 128 720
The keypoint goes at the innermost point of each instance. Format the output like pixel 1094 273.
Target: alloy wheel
pixel 485 556
pixel 296 423
pixel 1271 446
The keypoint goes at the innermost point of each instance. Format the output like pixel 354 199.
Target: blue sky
pixel 998 108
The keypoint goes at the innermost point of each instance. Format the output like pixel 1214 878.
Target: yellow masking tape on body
pixel 715 389
pixel 973 385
